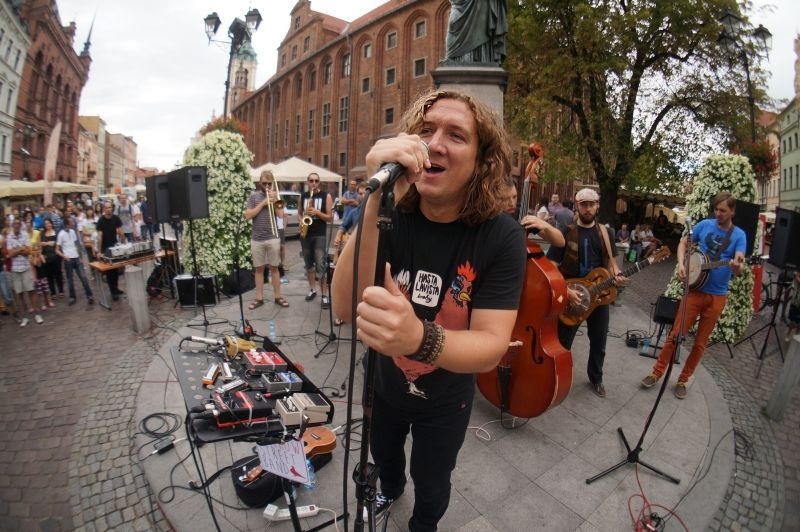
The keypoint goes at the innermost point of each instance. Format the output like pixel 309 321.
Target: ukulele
pixel 316 440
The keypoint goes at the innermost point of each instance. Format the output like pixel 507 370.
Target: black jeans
pixel 437 435
pixel 112 277
pixel 597 330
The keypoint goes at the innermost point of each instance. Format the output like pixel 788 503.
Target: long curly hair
pixel 492 164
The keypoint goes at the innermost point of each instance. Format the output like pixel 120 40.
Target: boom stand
pixel 331 336
pixel 771 327
pixel 244 330
pixel 366 473
pixel 633 454
pixel 195 277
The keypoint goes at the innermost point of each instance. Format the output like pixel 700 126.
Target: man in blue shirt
pixel 718 239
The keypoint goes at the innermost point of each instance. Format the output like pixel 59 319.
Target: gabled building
pixel 789 125
pixel 14 43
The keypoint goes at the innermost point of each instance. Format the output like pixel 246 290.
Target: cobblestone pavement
pixel 67 460
pixel 764 493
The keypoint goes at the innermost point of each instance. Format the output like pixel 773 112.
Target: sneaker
pixel 326 302
pixel 680 390
pixel 38 319
pixel 284 280
pixel 599 389
pixel 311 294
pixel 71 301
pixel 382 503
pixel 23 322
pixel 649 381
pixel 91 300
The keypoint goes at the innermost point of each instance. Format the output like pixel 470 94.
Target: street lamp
pixel 27 132
pixel 239 33
pixel 731 41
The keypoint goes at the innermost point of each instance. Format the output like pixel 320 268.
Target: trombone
pixel 272 206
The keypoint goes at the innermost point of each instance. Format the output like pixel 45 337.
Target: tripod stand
pixel 329 266
pixel 772 326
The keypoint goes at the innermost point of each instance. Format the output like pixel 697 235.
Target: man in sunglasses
pixel 317 205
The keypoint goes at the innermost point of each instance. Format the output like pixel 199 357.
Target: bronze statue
pixel 476 31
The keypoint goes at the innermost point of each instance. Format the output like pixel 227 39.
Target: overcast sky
pixel 155 77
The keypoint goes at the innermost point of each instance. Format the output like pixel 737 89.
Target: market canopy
pixel 17 188
pixel 295 170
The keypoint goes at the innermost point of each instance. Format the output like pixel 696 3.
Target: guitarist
pixel 588 245
pixel 719 238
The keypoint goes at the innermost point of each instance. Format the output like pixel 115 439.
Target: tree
pixel 633 93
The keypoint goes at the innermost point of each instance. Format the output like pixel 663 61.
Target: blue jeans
pixel 5 291
pixel 76 265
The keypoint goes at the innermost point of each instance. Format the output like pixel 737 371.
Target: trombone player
pixel 262 207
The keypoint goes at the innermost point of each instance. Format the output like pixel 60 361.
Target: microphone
pixel 387 174
pixel 202 340
pixel 688 221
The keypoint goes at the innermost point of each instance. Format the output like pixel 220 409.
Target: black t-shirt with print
pixel 590 250
pixel 446 270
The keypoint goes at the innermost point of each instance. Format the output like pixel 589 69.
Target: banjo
pixel 700 266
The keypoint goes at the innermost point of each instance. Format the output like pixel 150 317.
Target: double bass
pixel 535 374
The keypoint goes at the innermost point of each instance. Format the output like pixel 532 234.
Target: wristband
pixel 432 343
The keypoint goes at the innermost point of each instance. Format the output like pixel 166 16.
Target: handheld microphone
pixel 387 174
pixel 202 340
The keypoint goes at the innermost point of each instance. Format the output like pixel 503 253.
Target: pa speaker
pixel 784 251
pixel 185 288
pixel 666 310
pixel 158 198
pixel 746 218
pixel 188 193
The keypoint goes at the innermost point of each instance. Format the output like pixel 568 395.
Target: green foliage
pixel 225 123
pixel 227 160
pixel 730 173
pixel 632 93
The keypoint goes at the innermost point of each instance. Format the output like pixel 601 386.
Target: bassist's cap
pixel 587 194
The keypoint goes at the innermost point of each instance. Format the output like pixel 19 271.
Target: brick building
pixel 342 85
pixel 53 78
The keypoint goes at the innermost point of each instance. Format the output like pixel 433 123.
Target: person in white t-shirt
pixel 67 248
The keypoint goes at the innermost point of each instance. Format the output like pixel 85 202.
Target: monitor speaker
pixel 158 198
pixel 666 310
pixel 746 218
pixel 185 288
pixel 785 251
pixel 188 193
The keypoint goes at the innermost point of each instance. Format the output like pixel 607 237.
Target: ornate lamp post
pixel 239 32
pixel 732 40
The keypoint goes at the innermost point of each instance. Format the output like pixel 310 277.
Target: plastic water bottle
pixel 645 346
pixel 273 336
pixel 312 477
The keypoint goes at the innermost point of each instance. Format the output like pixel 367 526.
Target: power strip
pixel 273 513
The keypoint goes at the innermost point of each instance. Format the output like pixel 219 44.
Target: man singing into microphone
pixel 318 206
pixel 719 239
pixel 453 281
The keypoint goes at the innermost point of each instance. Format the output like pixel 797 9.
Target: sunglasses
pixel 266 184
pixel 313 180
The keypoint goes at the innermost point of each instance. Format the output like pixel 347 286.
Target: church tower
pixel 243 74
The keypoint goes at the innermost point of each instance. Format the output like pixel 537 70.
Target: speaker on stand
pixel 664 315
pixel 746 218
pixel 784 251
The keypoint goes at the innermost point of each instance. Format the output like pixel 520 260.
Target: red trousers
pixel 709 308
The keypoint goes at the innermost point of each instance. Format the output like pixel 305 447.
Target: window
pixel 283 60
pixel 8 50
pixel 365 85
pixel 367 51
pixel 325 162
pixel 344 110
pixel 294 52
pixel 3 146
pixel 327 73
pixel 2 34
pixel 784 146
pixel 347 62
pixel 306 44
pixel 388 116
pixel 277 133
pixel 312 80
pixel 419 67
pixel 420 29
pixel 297 129
pixel 286 133
pixel 8 101
pixel 296 22
pixel 390 76
pixel 310 124
pixel 16 59
pixel 326 119
pixel 298 89
pixel 342 159
pixel 391 40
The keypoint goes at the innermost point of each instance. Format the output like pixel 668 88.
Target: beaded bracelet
pixel 432 343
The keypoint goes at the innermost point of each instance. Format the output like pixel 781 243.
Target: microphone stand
pixel 331 336
pixel 633 454
pixel 366 474
pixel 245 330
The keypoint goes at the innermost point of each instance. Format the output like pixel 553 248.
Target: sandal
pixel 255 304
pixel 281 302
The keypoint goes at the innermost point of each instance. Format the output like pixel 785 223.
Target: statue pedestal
pixel 485 82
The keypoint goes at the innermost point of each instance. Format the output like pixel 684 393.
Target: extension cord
pixel 273 513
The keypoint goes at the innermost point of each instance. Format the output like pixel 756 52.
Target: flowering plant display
pixel 734 174
pixel 225 234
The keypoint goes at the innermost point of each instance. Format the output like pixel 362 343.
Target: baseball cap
pixel 587 194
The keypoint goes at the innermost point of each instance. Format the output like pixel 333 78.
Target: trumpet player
pixel 315 210
pixel 263 206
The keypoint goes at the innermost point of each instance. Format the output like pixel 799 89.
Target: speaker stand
pixel 771 328
pixel 330 336
pixel 195 278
